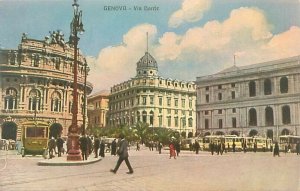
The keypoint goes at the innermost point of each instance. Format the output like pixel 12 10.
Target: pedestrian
pixel 298 148
pixel 177 147
pixel 197 147
pixel 172 150
pixel 244 144
pixel 90 145
pixel 159 147
pixel 60 144
pixel 83 142
pixel 222 147
pixel 102 149
pixel 233 146
pixel 212 147
pixel 276 149
pixel 137 146
pixel 123 155
pixel 285 148
pixel 96 146
pixel 289 148
pixel 255 146
pixel 51 147
pixel 218 147
pixel 114 147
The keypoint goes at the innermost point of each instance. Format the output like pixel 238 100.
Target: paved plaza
pixel 153 171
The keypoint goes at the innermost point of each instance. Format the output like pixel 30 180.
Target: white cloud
pixel 190 11
pixel 116 64
pixel 199 51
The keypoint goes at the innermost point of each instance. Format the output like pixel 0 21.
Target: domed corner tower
pixel 146 66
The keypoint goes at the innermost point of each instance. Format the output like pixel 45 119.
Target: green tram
pixel 35 135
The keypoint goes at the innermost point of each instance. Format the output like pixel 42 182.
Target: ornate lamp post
pixel 76 26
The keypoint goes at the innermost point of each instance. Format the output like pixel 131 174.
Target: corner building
pixel 97 109
pixel 260 99
pixel 36 81
pixel 152 99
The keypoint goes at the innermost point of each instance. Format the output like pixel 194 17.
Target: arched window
pixel 284 85
pixel 269 116
pixel 56 102
pixel 286 117
pixel 252 89
pixel 267 87
pixel 151 117
pixel 144 117
pixel 252 117
pixel 138 114
pixel 34 100
pixel 11 99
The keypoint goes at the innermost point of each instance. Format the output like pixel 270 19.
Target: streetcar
pixel 35 135
pixel 285 140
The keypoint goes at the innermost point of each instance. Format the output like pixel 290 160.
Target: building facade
pixel 152 99
pixel 98 109
pixel 261 99
pixel 36 81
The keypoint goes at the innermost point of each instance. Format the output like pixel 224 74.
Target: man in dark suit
pixel 123 155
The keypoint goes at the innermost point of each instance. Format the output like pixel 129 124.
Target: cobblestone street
pixel 231 171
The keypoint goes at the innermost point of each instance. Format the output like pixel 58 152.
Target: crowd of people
pixel 88 145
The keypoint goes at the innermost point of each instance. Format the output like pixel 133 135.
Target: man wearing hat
pixel 123 155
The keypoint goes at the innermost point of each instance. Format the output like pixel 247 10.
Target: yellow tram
pixel 35 135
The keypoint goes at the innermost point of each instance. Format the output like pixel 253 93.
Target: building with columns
pixel 97 109
pixel 261 99
pixel 36 81
pixel 151 99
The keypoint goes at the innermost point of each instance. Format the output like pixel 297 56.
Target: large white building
pixel 154 100
pixel 261 99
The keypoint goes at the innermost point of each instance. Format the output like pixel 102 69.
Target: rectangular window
pixel 219 96
pixel 169 102
pixel 176 102
pixel 169 111
pixel 205 112
pixel 220 123
pixel 176 121
pixel 183 103
pixel 233 85
pixel 160 101
pixel 151 100
pixel 144 100
pixel 233 94
pixel 190 113
pixel 233 110
pixel 191 103
pixel 207 88
pixel 234 122
pixel 206 124
pixel 169 121
pixel 176 111
pixel 219 87
pixel 160 110
pixel 207 98
pixel 219 111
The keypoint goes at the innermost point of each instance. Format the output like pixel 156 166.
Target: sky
pixel 188 38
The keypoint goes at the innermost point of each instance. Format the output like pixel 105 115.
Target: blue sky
pixel 188 38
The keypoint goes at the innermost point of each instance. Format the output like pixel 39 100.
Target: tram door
pixel 9 130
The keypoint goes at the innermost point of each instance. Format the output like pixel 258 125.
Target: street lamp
pixel 76 26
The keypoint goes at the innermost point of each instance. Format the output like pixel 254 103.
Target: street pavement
pixel 156 172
